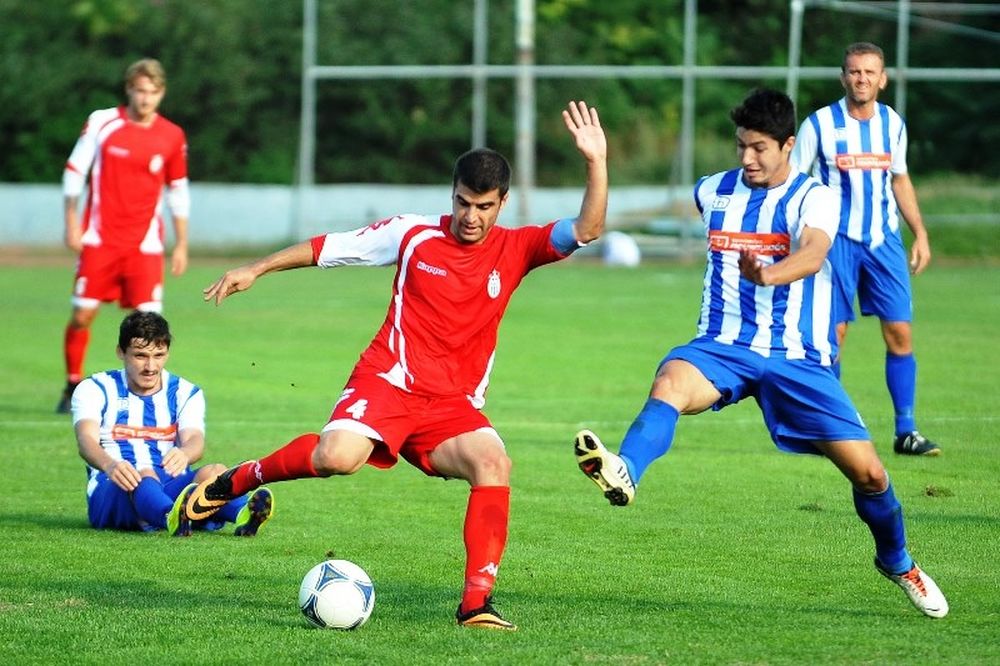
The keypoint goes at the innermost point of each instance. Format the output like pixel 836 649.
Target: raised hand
pixel 585 126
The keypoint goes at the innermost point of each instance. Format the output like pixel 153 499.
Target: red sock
pixel 485 534
pixel 292 461
pixel 75 342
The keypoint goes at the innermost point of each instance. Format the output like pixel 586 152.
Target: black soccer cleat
pixel 66 401
pixel 915 444
pixel 485 616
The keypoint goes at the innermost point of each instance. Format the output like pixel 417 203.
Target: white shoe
pixel 920 588
pixel 604 468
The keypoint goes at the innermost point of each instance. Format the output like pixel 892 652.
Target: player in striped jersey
pixel 857 146
pixel 418 388
pixel 765 331
pixel 131 153
pixel 139 429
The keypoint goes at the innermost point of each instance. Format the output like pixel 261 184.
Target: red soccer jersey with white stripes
pixel 440 333
pixel 129 165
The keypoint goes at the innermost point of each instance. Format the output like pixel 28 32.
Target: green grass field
pixel 734 552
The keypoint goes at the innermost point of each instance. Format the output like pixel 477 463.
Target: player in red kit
pixel 417 389
pixel 131 152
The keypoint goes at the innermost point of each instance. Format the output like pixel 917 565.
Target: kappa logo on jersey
pixel 432 270
pixel 770 245
pixel 156 163
pixel 493 284
pixel 122 404
pixel 720 203
pixel 375 225
pixel 864 161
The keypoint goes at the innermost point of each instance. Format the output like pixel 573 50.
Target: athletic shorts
pixel 105 275
pixel 403 423
pixel 880 278
pixel 110 507
pixel 802 401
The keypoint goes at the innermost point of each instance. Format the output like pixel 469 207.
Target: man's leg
pixel 901 380
pixel 76 339
pixel 479 458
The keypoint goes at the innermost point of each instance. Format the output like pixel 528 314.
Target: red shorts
pixel 105 275
pixel 402 423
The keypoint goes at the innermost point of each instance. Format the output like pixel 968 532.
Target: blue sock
pixel 884 517
pixel 151 503
pixel 901 378
pixel 231 509
pixel 649 436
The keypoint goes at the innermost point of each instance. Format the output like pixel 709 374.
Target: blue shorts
pixel 802 401
pixel 110 507
pixel 880 279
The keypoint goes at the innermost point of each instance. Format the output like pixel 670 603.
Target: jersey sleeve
pixel 88 402
pixel 806 147
pixel 899 154
pixel 375 245
pixel 821 210
pixel 191 415
pixel 84 152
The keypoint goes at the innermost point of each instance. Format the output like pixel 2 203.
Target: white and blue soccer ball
pixel 337 594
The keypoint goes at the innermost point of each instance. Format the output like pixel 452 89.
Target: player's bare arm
pixel 805 261
pixel 906 199
pixel 585 126
pixel 120 472
pixel 243 277
pixel 179 257
pixel 73 236
pixel 189 449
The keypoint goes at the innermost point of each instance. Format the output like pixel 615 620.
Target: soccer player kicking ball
pixel 857 145
pixel 140 428
pixel 418 388
pixel 766 331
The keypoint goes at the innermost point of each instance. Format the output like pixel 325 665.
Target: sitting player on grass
pixel 139 429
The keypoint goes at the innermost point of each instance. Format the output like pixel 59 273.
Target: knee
pixel 871 479
pixel 209 471
pixel 494 468
pixel 329 460
pixel 82 317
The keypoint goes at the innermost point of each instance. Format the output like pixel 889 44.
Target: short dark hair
pixel 149 327
pixel 768 111
pixel 861 48
pixel 482 170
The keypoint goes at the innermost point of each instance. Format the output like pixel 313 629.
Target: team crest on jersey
pixel 493 284
pixel 156 163
pixel 122 404
pixel 840 133
pixel 720 203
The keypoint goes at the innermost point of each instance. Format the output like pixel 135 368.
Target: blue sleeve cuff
pixel 563 236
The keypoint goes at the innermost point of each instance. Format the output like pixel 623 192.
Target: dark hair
pixel 482 170
pixel 149 327
pixel 861 48
pixel 768 111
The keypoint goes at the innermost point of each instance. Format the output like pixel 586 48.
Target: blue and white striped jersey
pixel 856 158
pixel 138 428
pixel 790 320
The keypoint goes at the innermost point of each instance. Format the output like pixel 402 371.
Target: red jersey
pixel 129 165
pixel 440 333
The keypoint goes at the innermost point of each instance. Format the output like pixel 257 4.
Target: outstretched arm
pixel 242 278
pixel 585 126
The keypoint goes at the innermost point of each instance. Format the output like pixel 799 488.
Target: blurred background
pixel 372 140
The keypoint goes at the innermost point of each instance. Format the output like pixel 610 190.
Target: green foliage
pixel 733 552
pixel 234 70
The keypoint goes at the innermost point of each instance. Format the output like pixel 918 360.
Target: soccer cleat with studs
pixel 915 444
pixel 211 495
pixel 257 511
pixel 178 521
pixel 485 617
pixel 604 468
pixel 922 591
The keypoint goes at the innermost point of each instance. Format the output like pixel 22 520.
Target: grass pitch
pixel 733 553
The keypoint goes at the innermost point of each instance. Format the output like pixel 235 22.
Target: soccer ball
pixel 337 594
